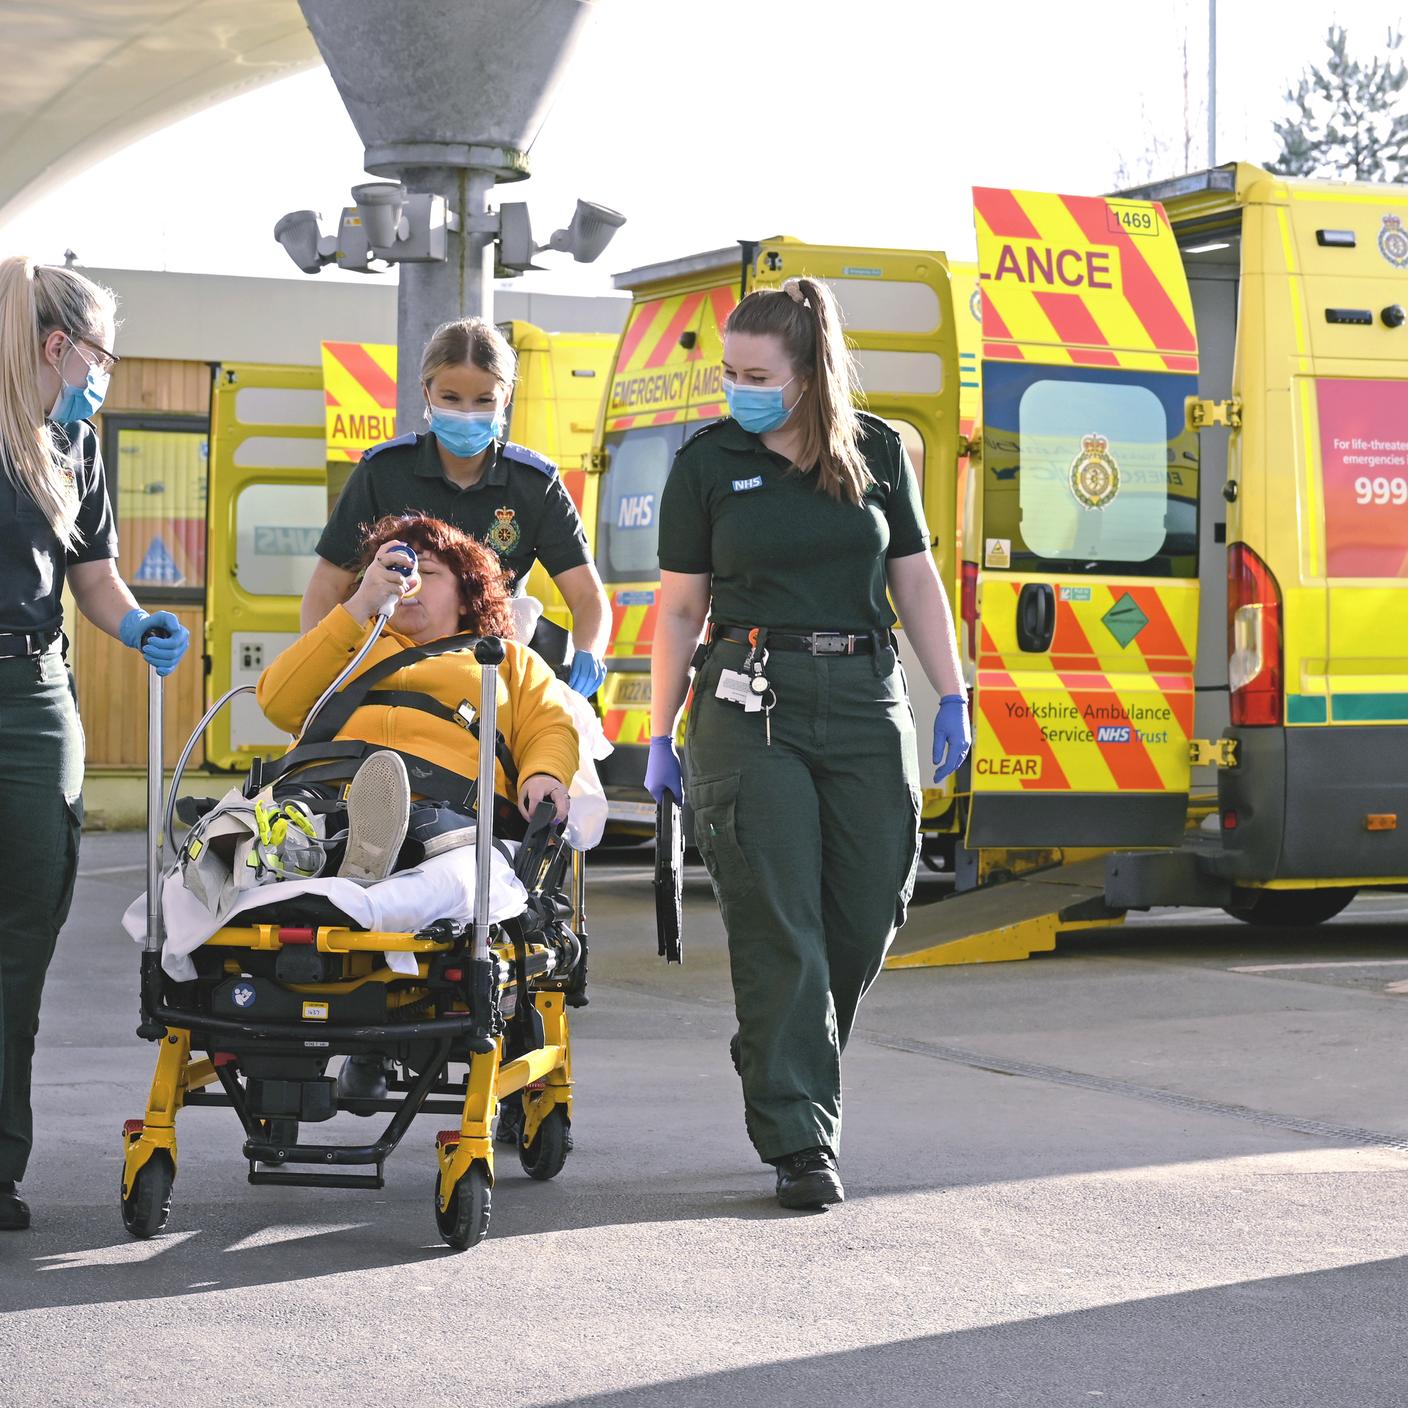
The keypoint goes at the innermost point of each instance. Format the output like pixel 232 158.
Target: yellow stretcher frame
pixel 547 1070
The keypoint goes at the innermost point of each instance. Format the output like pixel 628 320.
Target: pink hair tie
pixel 794 291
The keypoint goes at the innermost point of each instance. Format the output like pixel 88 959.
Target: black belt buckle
pixel 833 643
pixel 16 645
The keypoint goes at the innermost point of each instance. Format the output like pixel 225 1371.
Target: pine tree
pixel 1348 120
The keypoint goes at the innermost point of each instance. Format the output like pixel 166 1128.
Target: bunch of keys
pixel 760 688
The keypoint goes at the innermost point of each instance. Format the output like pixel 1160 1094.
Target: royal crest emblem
pixel 1095 477
pixel 504 536
pixel 1393 241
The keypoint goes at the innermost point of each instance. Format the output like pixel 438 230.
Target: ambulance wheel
pixel 146 1208
pixel 1289 909
pixel 465 1223
pixel 545 1156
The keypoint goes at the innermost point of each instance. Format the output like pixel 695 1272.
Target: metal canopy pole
pixel 447 97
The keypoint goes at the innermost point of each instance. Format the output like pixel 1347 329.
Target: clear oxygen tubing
pixel 384 614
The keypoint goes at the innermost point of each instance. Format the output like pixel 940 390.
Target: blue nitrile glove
pixel 662 772
pixel 953 735
pixel 165 647
pixel 587 674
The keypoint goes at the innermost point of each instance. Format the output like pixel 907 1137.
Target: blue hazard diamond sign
pixel 159 567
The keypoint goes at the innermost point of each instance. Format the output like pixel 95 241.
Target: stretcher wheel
pixel 148 1205
pixel 545 1156
pixel 465 1223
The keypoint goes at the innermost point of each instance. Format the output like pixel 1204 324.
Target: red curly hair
pixel 484 585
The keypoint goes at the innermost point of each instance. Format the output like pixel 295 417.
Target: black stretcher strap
pixel 354 694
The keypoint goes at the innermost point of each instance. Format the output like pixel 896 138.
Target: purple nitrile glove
pixel 953 735
pixel 662 772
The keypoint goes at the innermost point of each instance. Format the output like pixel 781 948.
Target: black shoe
pixel 14 1211
pixel 362 1078
pixel 808 1179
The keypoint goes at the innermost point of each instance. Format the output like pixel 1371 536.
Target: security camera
pixel 303 243
pixel 382 204
pixel 516 247
pixel 589 233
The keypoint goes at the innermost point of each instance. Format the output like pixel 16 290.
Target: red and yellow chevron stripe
pixel 359 389
pixel 1081 281
pixel 658 380
pixel 1091 715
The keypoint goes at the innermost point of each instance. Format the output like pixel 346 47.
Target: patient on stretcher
pixel 412 704
pixel 383 778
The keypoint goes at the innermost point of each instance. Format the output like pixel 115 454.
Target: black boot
pixel 808 1179
pixel 14 1211
pixel 362 1078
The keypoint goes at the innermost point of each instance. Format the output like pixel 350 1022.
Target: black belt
pixel 816 643
pixel 14 643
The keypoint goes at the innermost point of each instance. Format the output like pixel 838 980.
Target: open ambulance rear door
pixel 267 507
pixel 1087 506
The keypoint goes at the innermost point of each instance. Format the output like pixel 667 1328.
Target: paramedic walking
pixel 56 525
pixel 785 525
pixel 465 473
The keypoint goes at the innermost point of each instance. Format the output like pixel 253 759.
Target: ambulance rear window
pixel 1089 470
pixel 637 465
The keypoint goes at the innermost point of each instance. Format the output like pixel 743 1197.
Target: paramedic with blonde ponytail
pixel 786 525
pixel 56 525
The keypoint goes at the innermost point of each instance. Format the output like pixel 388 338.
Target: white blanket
pixel 440 888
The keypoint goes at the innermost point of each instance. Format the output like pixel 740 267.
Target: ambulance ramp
pixel 1004 922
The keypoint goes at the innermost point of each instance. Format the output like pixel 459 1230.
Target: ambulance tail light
pixel 968 607
pixel 1253 640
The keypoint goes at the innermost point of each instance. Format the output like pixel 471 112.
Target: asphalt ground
pixel 1163 1166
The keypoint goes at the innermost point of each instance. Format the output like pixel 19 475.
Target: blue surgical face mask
pixel 758 408
pixel 79 402
pixel 465 433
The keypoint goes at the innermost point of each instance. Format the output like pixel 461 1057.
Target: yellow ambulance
pixel 1188 545
pixel 284 439
pixel 666 381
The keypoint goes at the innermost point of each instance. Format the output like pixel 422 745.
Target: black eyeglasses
pixel 106 360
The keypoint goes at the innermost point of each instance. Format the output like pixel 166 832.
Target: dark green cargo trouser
pixel 41 786
pixel 812 845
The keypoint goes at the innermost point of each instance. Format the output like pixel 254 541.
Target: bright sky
pixel 834 121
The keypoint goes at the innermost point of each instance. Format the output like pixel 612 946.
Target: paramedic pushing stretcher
pixel 56 337
pixel 787 522
pixel 421 714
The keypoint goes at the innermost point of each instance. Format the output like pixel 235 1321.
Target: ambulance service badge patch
pixel 504 536
pixel 1095 477
pixel 1393 241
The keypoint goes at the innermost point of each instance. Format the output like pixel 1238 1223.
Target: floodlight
pixel 589 233
pixel 298 233
pixel 381 205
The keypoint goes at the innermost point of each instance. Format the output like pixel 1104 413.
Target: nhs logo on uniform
pixel 741 486
pixel 635 511
pixel 1112 733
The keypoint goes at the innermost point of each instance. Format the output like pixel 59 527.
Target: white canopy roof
pixel 84 78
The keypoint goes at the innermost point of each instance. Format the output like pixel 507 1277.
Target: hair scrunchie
pixel 792 288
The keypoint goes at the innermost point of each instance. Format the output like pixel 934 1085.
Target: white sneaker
pixel 378 810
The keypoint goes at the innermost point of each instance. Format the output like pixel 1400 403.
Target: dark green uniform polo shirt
pixel 518 507
pixel 780 553
pixel 32 560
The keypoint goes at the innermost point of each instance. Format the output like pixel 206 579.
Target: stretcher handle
pixel 489 653
pixel 155 812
